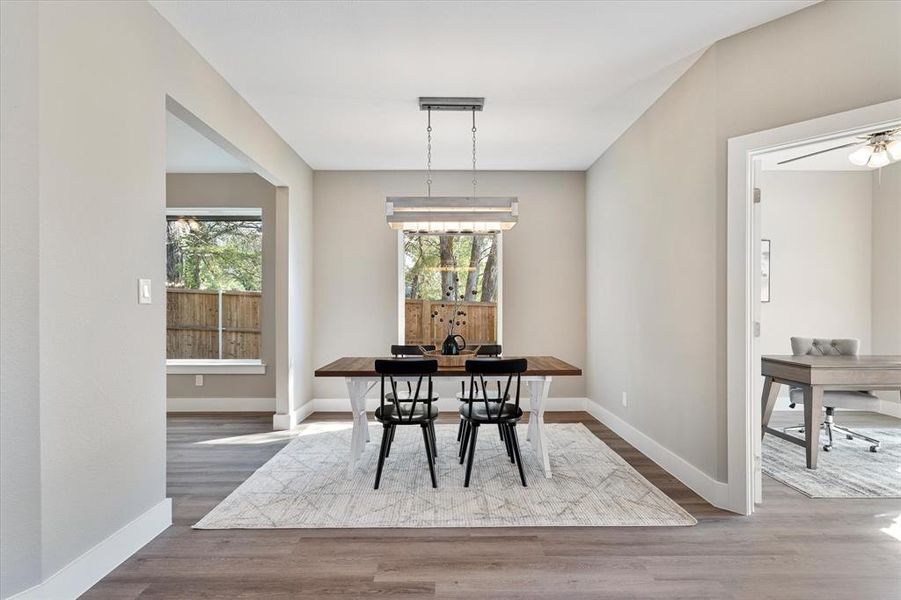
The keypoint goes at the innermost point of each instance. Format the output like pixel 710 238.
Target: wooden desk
pixel 816 374
pixel 360 375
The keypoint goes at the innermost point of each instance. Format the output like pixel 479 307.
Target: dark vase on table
pixel 450 347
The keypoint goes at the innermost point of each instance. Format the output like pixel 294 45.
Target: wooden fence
pixel 420 328
pixel 193 328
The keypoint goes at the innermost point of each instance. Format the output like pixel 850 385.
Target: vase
pixel 450 347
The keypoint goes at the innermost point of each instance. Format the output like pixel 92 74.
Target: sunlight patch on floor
pixel 894 530
pixel 269 437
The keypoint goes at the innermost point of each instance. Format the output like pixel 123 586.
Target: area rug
pixel 306 485
pixel 849 470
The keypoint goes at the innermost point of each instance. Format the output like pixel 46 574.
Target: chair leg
pixel 828 446
pixel 390 441
pixel 467 433
pixel 505 427
pixel 515 440
pixel 460 429
pixel 434 437
pixel 472 452
pixel 383 452
pixel 500 429
pixel 426 437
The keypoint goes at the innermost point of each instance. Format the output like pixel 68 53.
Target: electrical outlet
pixel 625 399
pixel 198 380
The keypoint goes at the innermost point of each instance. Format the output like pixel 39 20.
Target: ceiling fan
pixel 876 149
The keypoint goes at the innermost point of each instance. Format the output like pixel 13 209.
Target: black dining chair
pixel 406 351
pixel 485 350
pixel 420 409
pixel 503 412
pixel 402 350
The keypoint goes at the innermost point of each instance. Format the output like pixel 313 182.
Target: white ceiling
pixel 339 80
pixel 188 151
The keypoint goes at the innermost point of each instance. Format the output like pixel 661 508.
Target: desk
pixel 360 376
pixel 816 374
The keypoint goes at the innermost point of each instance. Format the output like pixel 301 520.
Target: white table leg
pixel 535 433
pixel 357 389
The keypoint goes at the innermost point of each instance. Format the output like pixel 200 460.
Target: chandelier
pixel 451 214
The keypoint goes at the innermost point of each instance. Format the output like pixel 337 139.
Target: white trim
pixel 209 211
pixel 891 408
pixel 401 289
pixel 499 324
pixel 205 404
pixel 190 366
pixel 742 266
pixel 78 576
pixel 446 404
pixel 285 421
pixel 713 491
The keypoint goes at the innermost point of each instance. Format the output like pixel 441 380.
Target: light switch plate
pixel 144 295
pixel 198 380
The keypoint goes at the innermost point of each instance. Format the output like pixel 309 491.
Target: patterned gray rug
pixel 849 470
pixel 306 486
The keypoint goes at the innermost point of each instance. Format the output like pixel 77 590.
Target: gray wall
pixel 820 227
pixel 887 260
pixel 93 211
pixel 356 264
pixel 20 437
pixel 656 212
pixel 232 190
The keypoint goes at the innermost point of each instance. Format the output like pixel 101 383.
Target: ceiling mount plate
pixel 451 103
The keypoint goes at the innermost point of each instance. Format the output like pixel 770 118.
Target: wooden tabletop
pixel 837 362
pixel 364 366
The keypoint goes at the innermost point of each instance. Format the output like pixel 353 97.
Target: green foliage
pixel 423 265
pixel 213 255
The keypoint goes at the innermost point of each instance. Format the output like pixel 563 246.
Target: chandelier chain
pixel 474 180
pixel 428 131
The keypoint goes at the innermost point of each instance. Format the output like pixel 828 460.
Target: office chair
pixel 832 399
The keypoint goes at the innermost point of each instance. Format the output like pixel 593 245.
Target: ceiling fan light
pixel 894 149
pixel 880 158
pixel 861 156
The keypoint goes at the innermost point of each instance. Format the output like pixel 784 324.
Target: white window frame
pixel 402 296
pixel 214 366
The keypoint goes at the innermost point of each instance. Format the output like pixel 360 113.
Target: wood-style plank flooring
pixel 793 547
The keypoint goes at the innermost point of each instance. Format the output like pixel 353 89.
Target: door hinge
pixel 756 195
pixel 756 328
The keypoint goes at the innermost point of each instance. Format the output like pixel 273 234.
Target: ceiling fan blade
pixel 782 162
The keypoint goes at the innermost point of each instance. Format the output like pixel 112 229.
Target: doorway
pixel 745 199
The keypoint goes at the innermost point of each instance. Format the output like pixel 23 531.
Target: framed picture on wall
pixel 765 270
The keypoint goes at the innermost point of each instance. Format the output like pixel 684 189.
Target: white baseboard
pixel 446 404
pixel 285 421
pixel 79 575
pixel 890 408
pixel 713 491
pixel 220 404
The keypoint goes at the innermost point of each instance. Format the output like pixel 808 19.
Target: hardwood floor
pixel 793 547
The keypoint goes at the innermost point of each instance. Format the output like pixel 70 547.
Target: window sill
pixel 181 366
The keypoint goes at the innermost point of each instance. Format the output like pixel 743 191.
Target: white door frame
pixel 743 283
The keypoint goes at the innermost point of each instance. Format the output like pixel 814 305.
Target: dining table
pixel 360 375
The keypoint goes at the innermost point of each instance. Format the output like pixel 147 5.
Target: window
pixel 214 284
pixel 445 275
